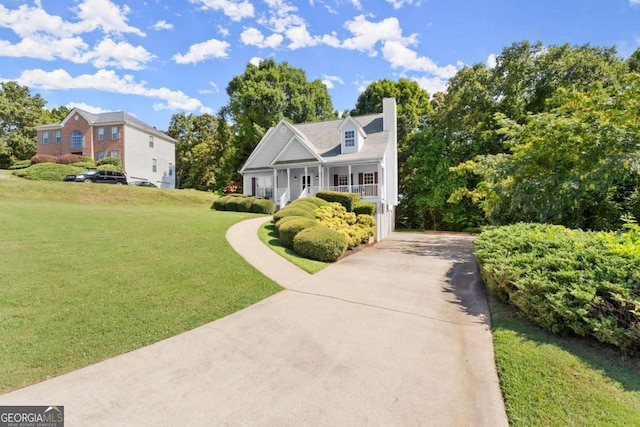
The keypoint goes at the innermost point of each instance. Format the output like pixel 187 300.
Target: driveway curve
pixel 395 335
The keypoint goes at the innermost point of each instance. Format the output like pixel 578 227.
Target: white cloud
pixel 330 80
pixel 109 81
pixel 400 56
pixel 234 9
pixel 26 21
pixel 256 61
pixel 86 107
pixel 162 25
pixel 634 2
pixel 253 37
pixel 224 32
pixel 201 51
pixel 357 4
pixel 47 48
pixel 431 84
pixel 331 40
pixel 367 34
pixel 106 15
pixel 362 84
pixel 300 37
pixel 492 60
pixel 120 55
pixel 397 4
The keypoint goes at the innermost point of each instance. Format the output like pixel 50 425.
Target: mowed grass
pixel 267 234
pixel 547 380
pixel 91 271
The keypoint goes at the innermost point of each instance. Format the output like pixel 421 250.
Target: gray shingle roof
pixel 326 138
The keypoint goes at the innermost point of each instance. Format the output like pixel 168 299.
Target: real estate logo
pixel 31 416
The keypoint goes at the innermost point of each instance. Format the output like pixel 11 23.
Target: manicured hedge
pixel 316 201
pixel 320 243
pixel 67 159
pixel 263 206
pixel 348 200
pixel 302 204
pixel 284 220
pixel 43 158
pixel 240 203
pixel 364 208
pixel 20 164
pixel 292 211
pixel 110 161
pixel 567 280
pixel 289 229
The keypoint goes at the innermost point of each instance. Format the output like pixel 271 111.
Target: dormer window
pixel 349 138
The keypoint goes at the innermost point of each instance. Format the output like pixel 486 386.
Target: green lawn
pixel 91 271
pixel 547 380
pixel 268 235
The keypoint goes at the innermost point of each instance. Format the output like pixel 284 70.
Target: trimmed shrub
pixel 292 212
pixel 20 164
pixel 366 220
pixel 348 200
pixel 43 158
pixel 302 204
pixel 67 159
pixel 233 204
pixel 567 280
pixel 220 204
pixel 284 220
pixel 244 204
pixel 320 243
pixel 85 165
pixel 110 161
pixel 316 201
pixel 108 167
pixel 263 206
pixel 365 208
pixel 47 172
pixel 289 229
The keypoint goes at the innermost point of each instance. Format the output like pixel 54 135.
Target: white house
pixel 354 154
pixel 146 153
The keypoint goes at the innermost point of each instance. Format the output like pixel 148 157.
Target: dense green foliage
pixel 288 230
pixel 292 211
pixel 110 161
pixel 348 200
pixel 48 171
pixel 239 203
pixel 358 229
pixel 19 113
pixel 320 243
pixel 587 283
pixel 364 208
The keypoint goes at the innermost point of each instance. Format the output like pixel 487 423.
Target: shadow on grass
pixel 610 361
pixel 275 241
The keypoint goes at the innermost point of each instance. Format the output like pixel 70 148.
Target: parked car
pixel 101 177
pixel 71 177
pixel 143 184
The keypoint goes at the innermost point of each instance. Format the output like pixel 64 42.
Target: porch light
pixel 295 178
pixel 316 177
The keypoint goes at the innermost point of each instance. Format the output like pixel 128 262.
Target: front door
pixel 306 181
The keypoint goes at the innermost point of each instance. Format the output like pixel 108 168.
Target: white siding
pixel 296 151
pixel 267 152
pixel 138 157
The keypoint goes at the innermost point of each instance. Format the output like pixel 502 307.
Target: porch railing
pixel 283 194
pixel 365 190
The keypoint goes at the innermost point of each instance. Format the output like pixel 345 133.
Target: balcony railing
pixel 365 190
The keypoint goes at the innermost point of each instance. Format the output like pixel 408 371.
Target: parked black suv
pixel 102 177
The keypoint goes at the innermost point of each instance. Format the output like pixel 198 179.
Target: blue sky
pixel 155 58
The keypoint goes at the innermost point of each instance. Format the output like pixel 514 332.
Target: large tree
pixel 19 113
pixel 204 143
pixel 267 93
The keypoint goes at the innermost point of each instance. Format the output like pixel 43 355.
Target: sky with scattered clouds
pixel 155 58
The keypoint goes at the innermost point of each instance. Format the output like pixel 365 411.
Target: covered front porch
pixel 284 184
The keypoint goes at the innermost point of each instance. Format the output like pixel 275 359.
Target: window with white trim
pixel 154 166
pixel 77 140
pixel 349 138
pixel 150 141
pixel 343 180
pixel 57 136
pixel 101 134
pixel 115 154
pixel 45 137
pixel 100 155
pixel 368 178
pixel 114 133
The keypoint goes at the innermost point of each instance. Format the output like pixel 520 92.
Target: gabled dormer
pixel 352 136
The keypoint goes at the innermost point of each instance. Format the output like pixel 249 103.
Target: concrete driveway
pixel 396 335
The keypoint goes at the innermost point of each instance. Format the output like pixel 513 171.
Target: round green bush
pixel 263 206
pixel 320 243
pixel 108 166
pixel 366 220
pixel 302 204
pixel 233 204
pixel 244 204
pixel 284 220
pixel 110 161
pixel 316 201
pixel 20 164
pixel 292 212
pixel 220 204
pixel 289 229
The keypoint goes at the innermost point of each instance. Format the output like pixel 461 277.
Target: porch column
pixel 275 186
pixel 319 178
pixel 380 180
pixel 349 178
pixel 288 182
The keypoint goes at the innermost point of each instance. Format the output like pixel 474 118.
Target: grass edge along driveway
pixel 82 282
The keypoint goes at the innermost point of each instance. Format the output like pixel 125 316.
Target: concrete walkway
pixel 395 335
